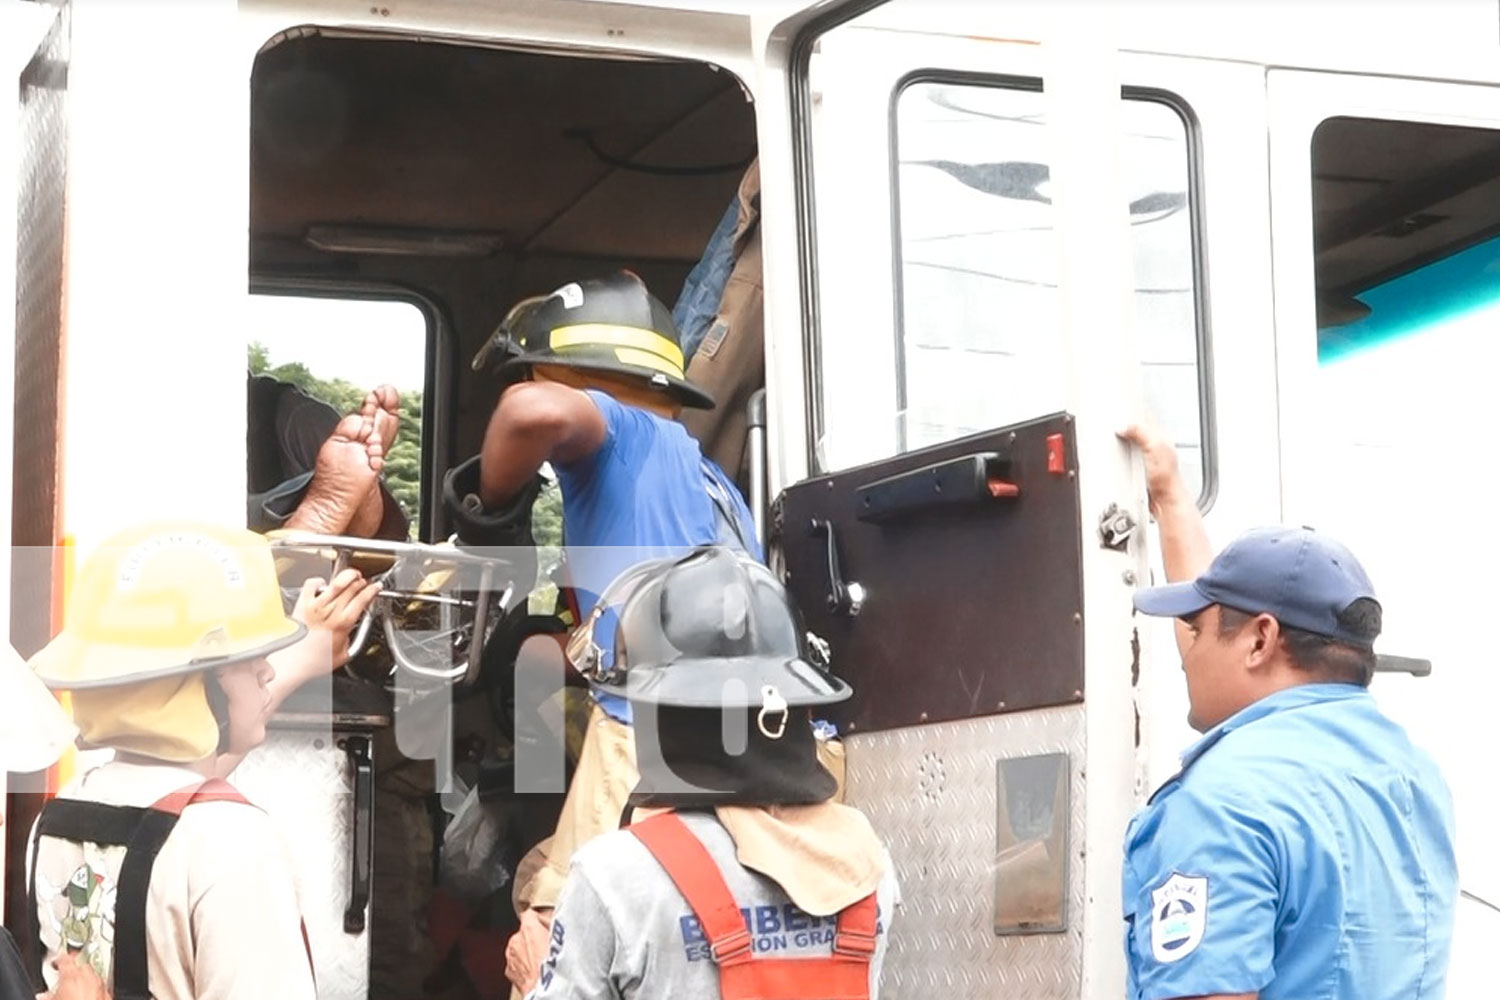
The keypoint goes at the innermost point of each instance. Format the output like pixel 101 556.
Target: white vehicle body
pixel 150 348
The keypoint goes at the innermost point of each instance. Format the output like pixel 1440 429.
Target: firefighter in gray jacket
pixel 738 877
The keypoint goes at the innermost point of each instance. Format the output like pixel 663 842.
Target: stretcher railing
pixel 462 593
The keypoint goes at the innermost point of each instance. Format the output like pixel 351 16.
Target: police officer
pixel 1306 847
pixel 738 877
pixel 147 868
pixel 34 732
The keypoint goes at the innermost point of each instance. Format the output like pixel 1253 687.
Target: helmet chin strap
pixel 772 703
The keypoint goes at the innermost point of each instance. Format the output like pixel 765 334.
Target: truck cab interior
pixel 471 178
pixel 464 179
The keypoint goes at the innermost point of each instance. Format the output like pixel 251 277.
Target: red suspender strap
pixel 212 790
pixel 695 873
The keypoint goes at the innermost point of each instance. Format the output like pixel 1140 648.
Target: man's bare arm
pixel 535 422
pixel 1185 548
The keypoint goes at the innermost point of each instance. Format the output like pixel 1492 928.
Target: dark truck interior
pixel 1406 216
pixel 478 176
pixel 469 178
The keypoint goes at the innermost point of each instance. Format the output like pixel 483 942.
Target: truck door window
pixel 976 316
pixel 1405 219
pixel 337 350
pixel 978 264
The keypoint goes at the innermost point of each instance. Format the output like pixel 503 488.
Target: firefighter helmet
pixel 168 599
pixel 34 729
pixel 713 630
pixel 611 325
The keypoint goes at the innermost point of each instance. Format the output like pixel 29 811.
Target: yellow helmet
pixel 164 600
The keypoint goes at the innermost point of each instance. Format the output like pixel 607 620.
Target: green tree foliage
pixel 403 461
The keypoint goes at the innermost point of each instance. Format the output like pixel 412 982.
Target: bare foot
pixel 345 475
pixel 383 405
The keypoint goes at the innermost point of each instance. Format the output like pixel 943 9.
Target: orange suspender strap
pixel 212 790
pixel 829 978
pixel 218 790
pixel 845 975
pixel 855 937
pixel 696 874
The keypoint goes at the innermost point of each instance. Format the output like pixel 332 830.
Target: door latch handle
pixel 843 598
pixel 361 848
pixel 1116 527
pixel 1387 663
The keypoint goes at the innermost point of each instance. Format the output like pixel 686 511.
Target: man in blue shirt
pixel 1305 850
pixel 602 387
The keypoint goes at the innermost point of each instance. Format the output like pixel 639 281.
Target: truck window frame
pixel 800 92
pixel 438 376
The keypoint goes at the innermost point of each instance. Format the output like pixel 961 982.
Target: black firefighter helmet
pixel 713 630
pixel 610 324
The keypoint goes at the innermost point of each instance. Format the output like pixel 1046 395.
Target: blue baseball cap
pixel 1301 578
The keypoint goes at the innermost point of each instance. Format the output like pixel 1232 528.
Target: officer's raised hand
pixel 1164 483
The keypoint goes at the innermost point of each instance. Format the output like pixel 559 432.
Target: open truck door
pixel 983 223
pixel 1002 240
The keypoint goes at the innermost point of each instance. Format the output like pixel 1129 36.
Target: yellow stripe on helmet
pixel 645 359
pixel 645 347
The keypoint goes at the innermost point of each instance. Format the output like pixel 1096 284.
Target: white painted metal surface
pixel 1082 82
pixel 153 355
pixel 158 261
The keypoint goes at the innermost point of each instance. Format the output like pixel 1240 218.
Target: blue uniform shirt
pixel 643 495
pixel 1304 851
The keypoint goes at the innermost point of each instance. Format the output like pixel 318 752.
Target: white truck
pixel 993 235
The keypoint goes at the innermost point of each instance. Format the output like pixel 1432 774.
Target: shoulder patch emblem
pixel 713 339
pixel 1179 912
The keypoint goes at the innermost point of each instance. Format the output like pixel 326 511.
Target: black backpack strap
pixel 131 966
pixel 79 822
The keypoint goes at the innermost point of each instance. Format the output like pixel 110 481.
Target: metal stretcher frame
pixel 344 549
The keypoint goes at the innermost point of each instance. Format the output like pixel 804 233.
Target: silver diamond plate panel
pixel 41 185
pixel 930 792
pixel 303 781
